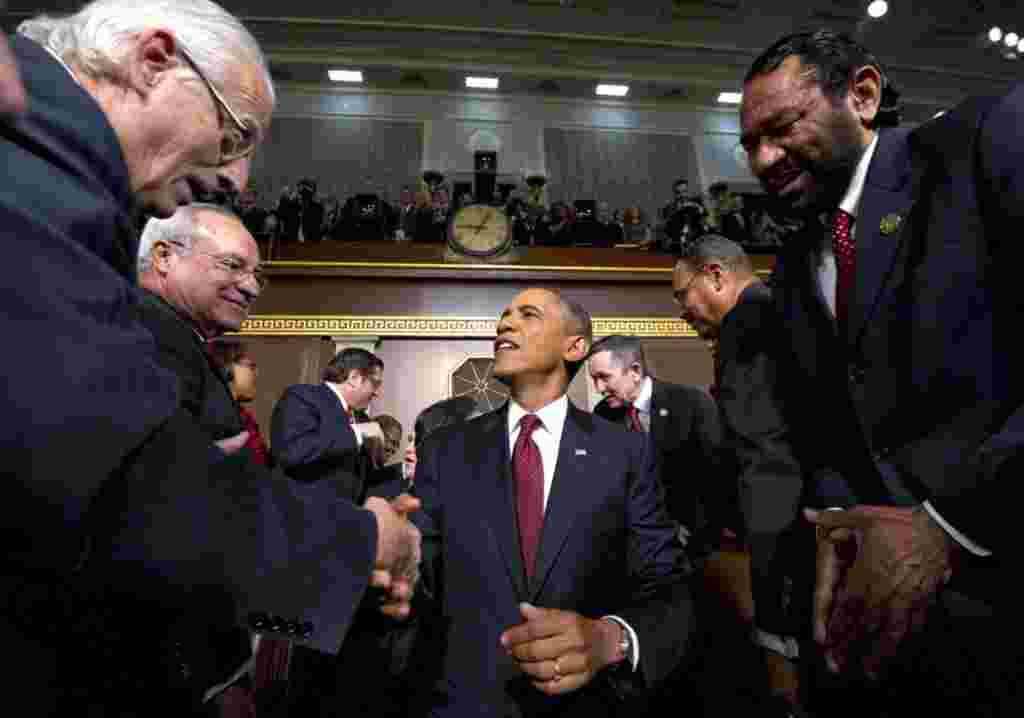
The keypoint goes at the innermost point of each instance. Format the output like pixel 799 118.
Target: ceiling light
pixel 995 34
pixel 612 90
pixel 730 98
pixel 878 8
pixel 345 75
pixel 482 83
pixel 1011 39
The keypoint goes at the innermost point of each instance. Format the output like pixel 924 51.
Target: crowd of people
pixel 538 559
pixel 302 214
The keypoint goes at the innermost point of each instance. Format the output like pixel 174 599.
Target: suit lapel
pixel 881 225
pixel 497 489
pixel 659 423
pixel 569 480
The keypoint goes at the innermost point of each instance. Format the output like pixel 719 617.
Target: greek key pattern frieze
pixel 434 326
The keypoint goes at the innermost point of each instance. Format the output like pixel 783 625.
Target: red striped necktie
pixel 528 472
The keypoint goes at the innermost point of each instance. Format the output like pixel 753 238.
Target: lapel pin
pixel 890 223
pixel 581 452
pixel 662 412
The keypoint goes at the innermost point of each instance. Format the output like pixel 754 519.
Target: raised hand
pixel 399 551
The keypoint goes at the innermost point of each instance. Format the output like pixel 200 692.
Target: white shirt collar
pixel 851 200
pixel 643 402
pixel 552 416
pixel 341 397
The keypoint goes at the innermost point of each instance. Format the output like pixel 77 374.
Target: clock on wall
pixel 480 231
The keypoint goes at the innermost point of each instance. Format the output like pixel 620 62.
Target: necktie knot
pixel 634 418
pixel 528 424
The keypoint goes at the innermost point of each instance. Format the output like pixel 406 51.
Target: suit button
pixel 307 629
pixel 278 624
pixel 855 373
pixel 258 621
pixel 294 629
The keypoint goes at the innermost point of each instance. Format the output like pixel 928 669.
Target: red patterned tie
pixel 634 419
pixel 845 252
pixel 528 472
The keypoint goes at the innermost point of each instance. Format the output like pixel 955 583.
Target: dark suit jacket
pixel 686 432
pixel 102 448
pixel 922 386
pixel 205 392
pixel 607 547
pixel 757 453
pixel 312 439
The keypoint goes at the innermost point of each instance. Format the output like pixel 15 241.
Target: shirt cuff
pixel 783 645
pixel 245 668
pixel 359 434
pixel 634 642
pixel 956 535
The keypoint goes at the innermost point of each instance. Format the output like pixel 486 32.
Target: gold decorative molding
pixel 289 325
pixel 454 267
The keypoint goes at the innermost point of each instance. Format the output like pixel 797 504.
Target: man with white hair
pixel 116 506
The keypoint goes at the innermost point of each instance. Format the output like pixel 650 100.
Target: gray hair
pixel 96 38
pixel 626 351
pixel 179 230
pixel 716 249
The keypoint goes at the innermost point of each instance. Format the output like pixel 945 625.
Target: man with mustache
pixel 559 577
pixel 901 377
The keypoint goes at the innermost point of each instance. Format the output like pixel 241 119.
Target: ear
pixel 160 256
pixel 717 275
pixel 576 348
pixel 865 94
pixel 152 58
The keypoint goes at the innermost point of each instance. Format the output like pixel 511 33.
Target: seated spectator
pixel 553 229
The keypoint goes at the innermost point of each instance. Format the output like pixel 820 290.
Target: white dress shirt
pixel 643 403
pixel 548 438
pixel 826 273
pixel 344 405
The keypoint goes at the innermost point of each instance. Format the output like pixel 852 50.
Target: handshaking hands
pixel 399 550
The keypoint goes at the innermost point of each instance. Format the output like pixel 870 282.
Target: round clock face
pixel 479 230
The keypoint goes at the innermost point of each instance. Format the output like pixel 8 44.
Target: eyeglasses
pixel 680 296
pixel 236 142
pixel 235 267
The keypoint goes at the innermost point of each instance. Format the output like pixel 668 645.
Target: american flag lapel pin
pixel 581 452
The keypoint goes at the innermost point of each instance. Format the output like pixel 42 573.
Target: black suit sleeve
pixel 758 452
pixel 300 434
pixel 972 479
